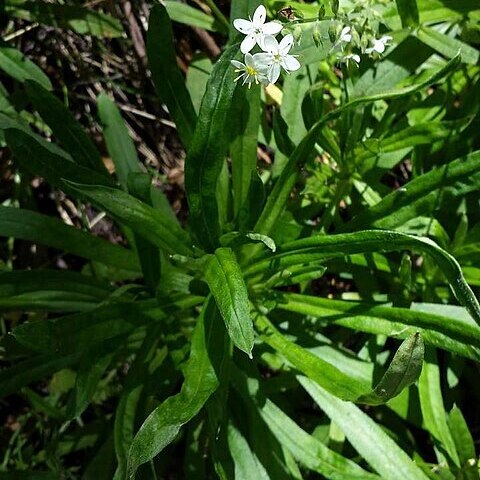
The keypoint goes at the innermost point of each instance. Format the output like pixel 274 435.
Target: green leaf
pixel 243 148
pixel 247 465
pixel 366 436
pixel 235 239
pixel 167 78
pixel 305 448
pixel 421 195
pixel 115 318
pixel 462 437
pixel 408 11
pixel 277 199
pixel 404 370
pixel 34 227
pixel 76 18
pixel 320 247
pixel 183 13
pixel 207 153
pixel 324 373
pixel 15 64
pixel 50 290
pixel 433 410
pixel 12 379
pixel 46 160
pixel 27 475
pixel 134 386
pixel 225 279
pixel 447 46
pixel 139 216
pixel 64 126
pixel 119 143
pixel 449 332
pixel 92 366
pixel 209 344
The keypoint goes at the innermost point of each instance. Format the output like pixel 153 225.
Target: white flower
pixel 251 71
pixel 379 45
pixel 345 35
pixel 276 56
pixel 256 29
pixel 352 57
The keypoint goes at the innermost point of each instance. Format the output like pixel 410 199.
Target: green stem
pixel 216 11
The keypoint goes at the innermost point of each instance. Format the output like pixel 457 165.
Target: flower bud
pixel 317 35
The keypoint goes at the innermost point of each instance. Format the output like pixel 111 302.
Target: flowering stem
pixel 216 11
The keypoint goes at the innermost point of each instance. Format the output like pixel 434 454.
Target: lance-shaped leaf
pixel 366 436
pixel 450 331
pixel 139 216
pixel 50 290
pixel 408 11
pixel 225 279
pixel 44 230
pixel 166 75
pixel 324 373
pixel 404 370
pixel 15 64
pixel 433 409
pixel 119 143
pixel 320 247
pixel 422 195
pixel 209 344
pixel 305 448
pixel 66 129
pixel 206 155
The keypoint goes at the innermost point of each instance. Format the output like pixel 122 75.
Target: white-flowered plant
pixel 345 35
pixel 251 71
pixel 276 56
pixel 379 45
pixel 263 67
pixel 256 29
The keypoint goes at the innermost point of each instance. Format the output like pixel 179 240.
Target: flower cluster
pixel 265 66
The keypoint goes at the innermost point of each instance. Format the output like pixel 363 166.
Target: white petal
pixel 263 59
pixel 385 39
pixel 274 72
pixel 356 58
pixel 286 44
pixel 379 46
pixel 237 64
pixel 368 51
pixel 272 28
pixel 249 60
pixel 270 44
pixel 290 63
pixel 243 26
pixel 259 16
pixel 345 30
pixel 346 38
pixel 248 43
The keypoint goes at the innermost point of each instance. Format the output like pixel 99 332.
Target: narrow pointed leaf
pixel 119 143
pixel 206 155
pixel 66 129
pixel 404 370
pixel 451 333
pixel 320 247
pixel 44 230
pixel 225 279
pixel 433 410
pixel 201 380
pixel 15 64
pixel 139 216
pixel 166 75
pixel 366 436
pixel 324 373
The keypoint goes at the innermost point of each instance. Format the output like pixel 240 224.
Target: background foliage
pixel 204 281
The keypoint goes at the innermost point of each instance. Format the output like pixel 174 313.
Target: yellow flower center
pixel 250 71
